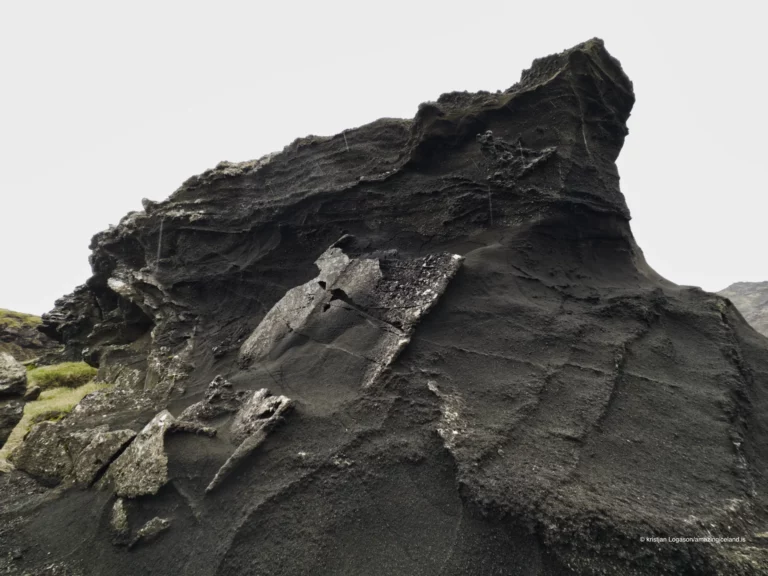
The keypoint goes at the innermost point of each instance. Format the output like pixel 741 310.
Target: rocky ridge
pixel 751 299
pixel 20 337
pixel 426 346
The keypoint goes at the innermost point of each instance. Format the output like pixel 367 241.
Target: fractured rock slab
pixel 250 427
pixel 52 453
pixel 98 453
pixel 143 468
pixel 43 454
pixel 390 292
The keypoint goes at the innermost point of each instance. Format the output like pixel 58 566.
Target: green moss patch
pixel 52 404
pixel 11 319
pixel 64 375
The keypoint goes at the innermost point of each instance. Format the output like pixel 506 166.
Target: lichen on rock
pixel 44 454
pixel 13 377
pixel 142 469
pixel 53 453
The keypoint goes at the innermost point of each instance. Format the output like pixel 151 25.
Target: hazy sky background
pixel 103 103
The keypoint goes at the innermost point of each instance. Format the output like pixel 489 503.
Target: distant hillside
pixel 751 299
pixel 20 338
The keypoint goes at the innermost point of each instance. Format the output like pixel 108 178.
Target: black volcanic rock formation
pixel 417 347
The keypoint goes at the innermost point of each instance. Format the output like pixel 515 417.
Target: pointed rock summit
pixel 426 346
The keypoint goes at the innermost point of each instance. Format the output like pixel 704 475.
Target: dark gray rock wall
pixel 552 402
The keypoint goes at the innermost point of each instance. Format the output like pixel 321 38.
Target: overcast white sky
pixel 103 103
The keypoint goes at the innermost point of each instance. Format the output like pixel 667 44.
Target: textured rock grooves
pixel 424 346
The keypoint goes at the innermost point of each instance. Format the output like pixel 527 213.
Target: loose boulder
pixel 11 412
pixel 13 377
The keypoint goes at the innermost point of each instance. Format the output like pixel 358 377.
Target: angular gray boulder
pixel 143 468
pixel 11 412
pixel 44 454
pixel 13 377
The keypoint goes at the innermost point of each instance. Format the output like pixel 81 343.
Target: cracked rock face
pixel 254 420
pixel 53 453
pixel 97 453
pixel 143 468
pixel 43 454
pixel 220 399
pixel 390 294
pixel 150 531
pixel 475 369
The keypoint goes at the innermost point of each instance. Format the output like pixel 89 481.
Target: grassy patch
pixel 55 400
pixel 67 374
pixel 13 319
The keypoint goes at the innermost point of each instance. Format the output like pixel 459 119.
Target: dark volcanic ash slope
pixel 418 347
pixel 751 299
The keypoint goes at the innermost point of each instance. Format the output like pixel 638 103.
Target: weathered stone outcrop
pixel 20 337
pixel 13 377
pixel 13 388
pixel 143 468
pixel 252 423
pixel 150 531
pixel 53 453
pixel 541 403
pixel 220 399
pixel 391 294
pixel 43 454
pixel 11 412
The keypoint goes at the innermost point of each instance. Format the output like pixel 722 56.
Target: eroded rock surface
pixel 118 523
pixel 143 468
pixel 43 454
pixel 13 377
pixel 257 416
pixel 97 453
pixel 11 412
pixel 53 453
pixel 390 293
pixel 220 399
pixel 558 403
